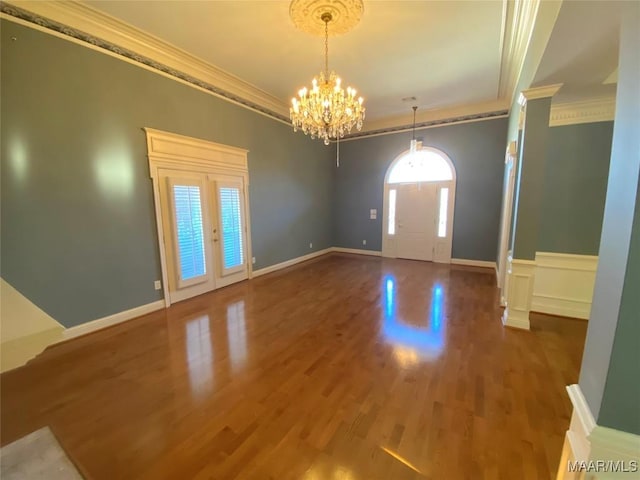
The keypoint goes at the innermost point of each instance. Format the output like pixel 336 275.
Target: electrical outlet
pixel 311 245
pixel 253 260
pixel 364 242
pixel 157 285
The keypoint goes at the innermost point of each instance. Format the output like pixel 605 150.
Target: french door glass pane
pixel 190 231
pixel 231 222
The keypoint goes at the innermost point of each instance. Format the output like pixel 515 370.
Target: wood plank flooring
pixel 346 367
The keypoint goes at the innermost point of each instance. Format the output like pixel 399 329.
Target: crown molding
pixel 539 92
pixel 437 115
pixel 585 111
pixel 80 21
pixel 82 24
pixel 518 21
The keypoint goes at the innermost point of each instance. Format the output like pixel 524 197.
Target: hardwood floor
pixel 346 367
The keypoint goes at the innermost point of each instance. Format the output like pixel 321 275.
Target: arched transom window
pixel 423 165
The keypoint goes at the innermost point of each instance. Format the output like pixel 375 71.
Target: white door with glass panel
pixel 419 193
pixel 229 231
pixel 204 232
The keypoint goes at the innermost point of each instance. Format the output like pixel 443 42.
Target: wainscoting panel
pixel 564 284
pixel 594 452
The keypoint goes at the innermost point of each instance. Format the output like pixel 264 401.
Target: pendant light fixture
pixel 413 146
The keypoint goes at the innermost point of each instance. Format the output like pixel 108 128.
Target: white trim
pixel 442 247
pixel 521 275
pixel 609 443
pixel 474 263
pixel 506 215
pixel 356 251
pixel 166 150
pixel 432 115
pixel 291 262
pixel 111 320
pixel 586 442
pixel 540 92
pixel 82 17
pixel 564 284
pixel 585 111
pixel 519 19
pixel 586 421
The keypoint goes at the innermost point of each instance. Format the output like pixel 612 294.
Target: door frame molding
pixel 166 150
pixel 452 184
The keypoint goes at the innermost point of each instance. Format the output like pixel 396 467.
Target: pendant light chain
pixel 415 107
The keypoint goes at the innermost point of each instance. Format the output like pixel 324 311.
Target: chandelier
pixel 326 110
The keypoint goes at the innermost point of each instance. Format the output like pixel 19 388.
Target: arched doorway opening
pixel 419 197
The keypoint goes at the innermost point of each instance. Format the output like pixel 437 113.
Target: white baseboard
pixel 473 263
pixel 564 284
pixel 114 319
pixel 587 443
pixel 374 253
pixel 289 263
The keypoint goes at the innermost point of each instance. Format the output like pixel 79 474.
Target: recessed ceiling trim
pixel 92 26
pixel 520 19
pixel 441 122
pixel 434 115
pixel 584 111
pixel 87 26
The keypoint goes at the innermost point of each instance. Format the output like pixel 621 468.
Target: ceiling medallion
pixel 307 15
pixel 326 110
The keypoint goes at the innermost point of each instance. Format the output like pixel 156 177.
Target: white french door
pixel 205 231
pixel 416 219
pixel 230 231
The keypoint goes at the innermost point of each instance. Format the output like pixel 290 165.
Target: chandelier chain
pixel 326 46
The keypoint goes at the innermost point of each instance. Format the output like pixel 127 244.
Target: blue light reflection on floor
pixel 414 342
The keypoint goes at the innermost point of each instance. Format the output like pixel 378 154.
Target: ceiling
pixel 459 59
pixel 582 52
pixel 443 53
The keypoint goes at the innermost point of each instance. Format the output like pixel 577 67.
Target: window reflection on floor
pixel 413 344
pixel 199 356
pixel 237 335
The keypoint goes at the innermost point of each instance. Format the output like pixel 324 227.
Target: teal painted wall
pixel 477 151
pixel 575 188
pixel 610 363
pixel 530 178
pixel 78 223
pixel 621 399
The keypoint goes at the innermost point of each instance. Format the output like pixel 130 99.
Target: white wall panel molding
pixel 586 111
pixel 520 279
pixel 589 447
pixel 564 284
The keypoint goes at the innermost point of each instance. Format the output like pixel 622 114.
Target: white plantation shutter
pixel 231 227
pixel 189 232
